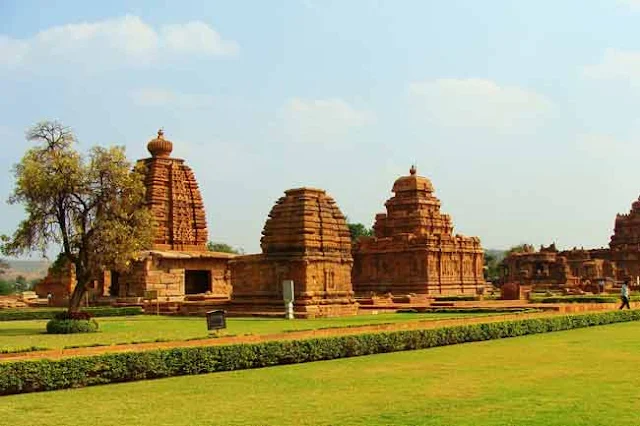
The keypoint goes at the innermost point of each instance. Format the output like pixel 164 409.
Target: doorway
pixel 197 282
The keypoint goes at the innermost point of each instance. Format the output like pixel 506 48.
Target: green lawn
pixel 578 377
pixel 145 328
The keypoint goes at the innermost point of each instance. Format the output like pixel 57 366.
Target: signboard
pixel 287 290
pixel 216 320
pixel 151 294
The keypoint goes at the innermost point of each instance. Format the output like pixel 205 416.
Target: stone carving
pixel 414 227
pixel 174 199
pixel 305 239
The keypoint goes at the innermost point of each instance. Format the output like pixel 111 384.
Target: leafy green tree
pixel 359 230
pixel 92 206
pixel 223 247
pixel 6 288
pixel 21 284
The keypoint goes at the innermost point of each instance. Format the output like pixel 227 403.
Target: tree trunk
pixel 77 295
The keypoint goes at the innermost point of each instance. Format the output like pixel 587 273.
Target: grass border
pixel 50 313
pixel 43 375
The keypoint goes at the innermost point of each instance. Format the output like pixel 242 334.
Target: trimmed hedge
pixel 43 375
pixel 465 298
pixel 610 298
pixel 71 326
pixel 48 313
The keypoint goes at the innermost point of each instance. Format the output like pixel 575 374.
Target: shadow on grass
pixel 22 331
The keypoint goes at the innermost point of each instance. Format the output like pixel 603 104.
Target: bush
pixel 576 299
pixel 48 313
pixel 66 315
pixel 465 298
pixel 70 326
pixel 34 376
pixel 6 288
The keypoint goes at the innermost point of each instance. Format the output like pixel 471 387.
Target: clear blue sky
pixel 525 115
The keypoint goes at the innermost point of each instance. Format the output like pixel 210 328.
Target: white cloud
pixel 156 97
pixel 196 37
pixel 127 39
pixel 616 65
pixel 322 119
pixel 478 103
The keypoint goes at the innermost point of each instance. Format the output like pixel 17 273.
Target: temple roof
pixel 413 182
pixel 306 221
pixel 159 146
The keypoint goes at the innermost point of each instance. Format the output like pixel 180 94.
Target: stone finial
pixel 413 170
pixel 160 147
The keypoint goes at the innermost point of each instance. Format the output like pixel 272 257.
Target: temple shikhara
pixel 414 250
pixel 305 239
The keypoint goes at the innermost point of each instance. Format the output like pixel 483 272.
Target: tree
pixel 359 230
pixel 4 265
pixel 222 247
pixel 492 261
pixel 92 206
pixel 21 284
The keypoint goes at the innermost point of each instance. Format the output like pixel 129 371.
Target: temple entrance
pixel 114 289
pixel 196 282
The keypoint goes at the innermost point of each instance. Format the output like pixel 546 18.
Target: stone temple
pixel 178 266
pixel 589 270
pixel 414 250
pixel 305 239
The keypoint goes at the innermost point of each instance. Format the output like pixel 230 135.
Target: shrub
pixel 66 315
pixel 70 326
pixel 33 376
pixel 463 298
pixel 49 313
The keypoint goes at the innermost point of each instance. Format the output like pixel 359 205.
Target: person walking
pixel 624 293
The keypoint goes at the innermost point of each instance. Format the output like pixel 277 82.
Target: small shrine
pixel 305 239
pixel 414 250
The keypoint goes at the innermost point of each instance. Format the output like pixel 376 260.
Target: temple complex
pixel 178 265
pixel 549 268
pixel 305 239
pixel 414 250
pixel 625 242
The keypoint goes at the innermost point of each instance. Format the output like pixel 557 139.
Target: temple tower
pixel 305 239
pixel 414 250
pixel 174 199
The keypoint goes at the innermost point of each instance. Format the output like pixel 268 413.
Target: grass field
pixel 578 377
pixel 23 334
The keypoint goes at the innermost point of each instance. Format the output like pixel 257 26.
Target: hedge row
pixel 465 298
pixel 33 376
pixel 609 298
pixel 48 313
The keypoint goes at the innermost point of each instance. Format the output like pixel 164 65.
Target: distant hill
pixel 30 269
